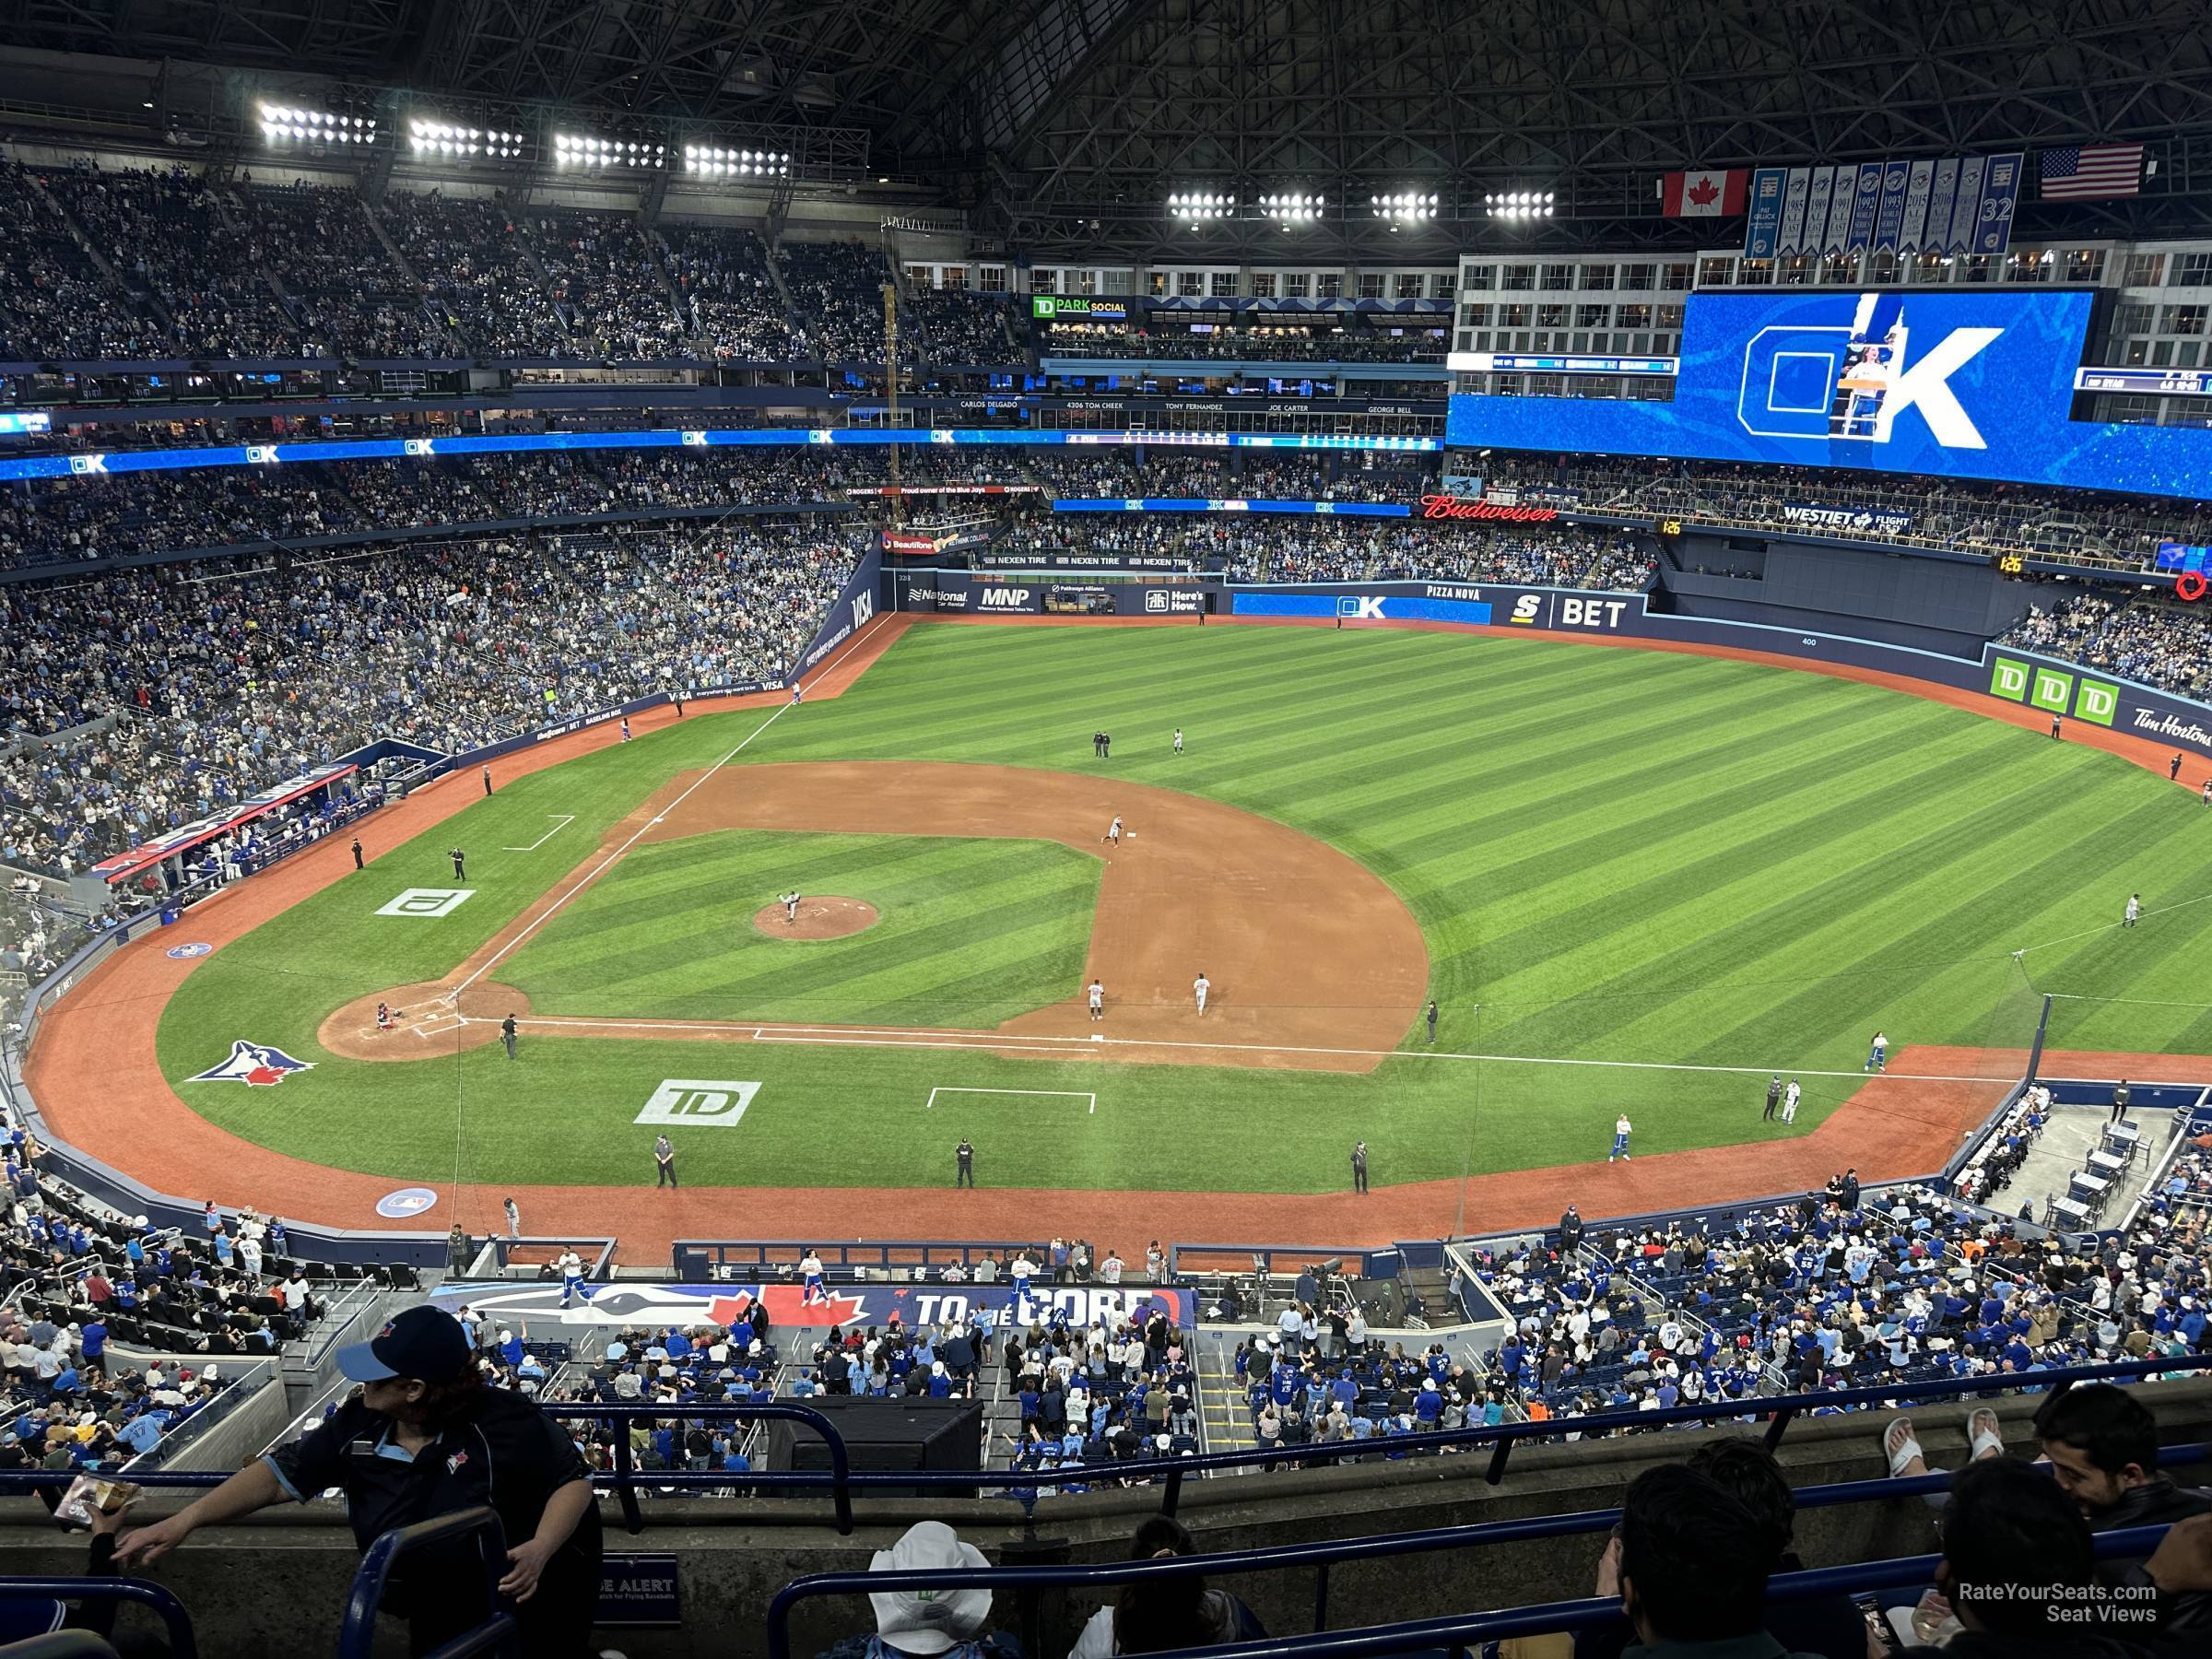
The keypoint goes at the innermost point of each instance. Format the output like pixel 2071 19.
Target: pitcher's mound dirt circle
pixel 424 1022
pixel 817 919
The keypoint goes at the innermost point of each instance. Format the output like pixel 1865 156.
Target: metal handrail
pixel 356 1636
pixel 844 1481
pixel 1458 1631
pixel 155 1599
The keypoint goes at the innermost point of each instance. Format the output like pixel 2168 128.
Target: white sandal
pixel 1990 1437
pixel 1903 1453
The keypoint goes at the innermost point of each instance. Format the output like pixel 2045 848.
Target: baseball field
pixel 1633 882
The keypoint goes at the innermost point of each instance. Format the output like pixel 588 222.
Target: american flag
pixel 2092 175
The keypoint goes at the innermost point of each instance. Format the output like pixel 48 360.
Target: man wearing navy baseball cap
pixel 425 1436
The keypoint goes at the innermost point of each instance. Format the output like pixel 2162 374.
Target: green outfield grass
pixel 1614 854
pixel 971 932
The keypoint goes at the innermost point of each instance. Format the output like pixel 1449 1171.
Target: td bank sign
pixel 2053 691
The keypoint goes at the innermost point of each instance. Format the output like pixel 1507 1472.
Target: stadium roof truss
pixel 1056 116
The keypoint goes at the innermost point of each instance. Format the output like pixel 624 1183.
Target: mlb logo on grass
pixel 427 902
pixel 701 1105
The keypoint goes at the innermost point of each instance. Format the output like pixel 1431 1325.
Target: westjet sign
pixel 1944 382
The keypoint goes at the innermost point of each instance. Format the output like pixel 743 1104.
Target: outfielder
pixel 1621 1128
pixel 1113 830
pixel 2134 911
pixel 1179 740
pixel 1098 1000
pixel 1199 987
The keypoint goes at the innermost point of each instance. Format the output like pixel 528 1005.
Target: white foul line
pixel 896 1037
pixel 600 868
pixel 566 820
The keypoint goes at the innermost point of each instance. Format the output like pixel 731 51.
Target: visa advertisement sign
pixel 1966 385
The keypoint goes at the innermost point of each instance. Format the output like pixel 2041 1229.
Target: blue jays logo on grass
pixel 185 953
pixel 254 1063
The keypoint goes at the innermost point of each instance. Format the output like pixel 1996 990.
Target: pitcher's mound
pixel 817 919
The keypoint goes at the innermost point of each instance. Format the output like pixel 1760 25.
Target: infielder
pixel 810 1269
pixel 1199 987
pixel 1113 830
pixel 1098 1000
pixel 1621 1128
pixel 2134 911
pixel 1790 1097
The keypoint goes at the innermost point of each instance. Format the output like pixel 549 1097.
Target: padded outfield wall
pixel 2001 674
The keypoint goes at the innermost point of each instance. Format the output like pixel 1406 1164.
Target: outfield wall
pixel 1999 673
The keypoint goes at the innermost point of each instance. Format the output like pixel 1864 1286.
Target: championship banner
pixel 1889 216
pixel 1792 238
pixel 1916 205
pixel 1762 230
pixel 1966 211
pixel 2000 195
pixel 1943 197
pixel 1948 205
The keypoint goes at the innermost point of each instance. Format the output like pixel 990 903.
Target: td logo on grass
pixel 698 1104
pixel 2056 692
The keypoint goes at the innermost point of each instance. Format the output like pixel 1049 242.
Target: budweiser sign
pixel 1459 507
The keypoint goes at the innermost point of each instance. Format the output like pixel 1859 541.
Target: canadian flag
pixel 1713 194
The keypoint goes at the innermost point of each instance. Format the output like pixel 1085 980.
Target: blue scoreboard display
pixel 1941 382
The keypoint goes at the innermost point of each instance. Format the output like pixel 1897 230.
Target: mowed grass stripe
pixel 965 926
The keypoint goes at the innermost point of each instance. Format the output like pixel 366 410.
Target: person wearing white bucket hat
pixel 927 1624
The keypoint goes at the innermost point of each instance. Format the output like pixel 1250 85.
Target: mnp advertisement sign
pixel 1967 384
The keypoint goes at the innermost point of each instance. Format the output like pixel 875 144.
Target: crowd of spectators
pixel 722 278
pixel 607 281
pixel 350 295
pixel 466 251
pixel 964 326
pixel 836 291
pixel 167 231
pixel 1837 1291
pixel 1166 470
pixel 2156 640
pixel 54 301
pixel 1946 512
pixel 208 683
